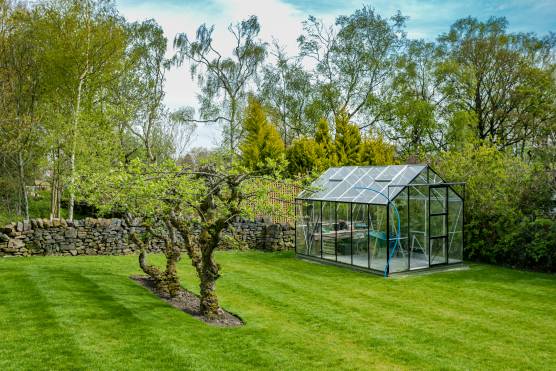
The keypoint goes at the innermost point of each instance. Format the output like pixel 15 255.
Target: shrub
pixel 507 207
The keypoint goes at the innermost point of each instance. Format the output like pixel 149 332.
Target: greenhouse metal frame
pixel 381 219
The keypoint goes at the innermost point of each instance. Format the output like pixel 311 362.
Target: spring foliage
pixel 507 207
pixel 262 142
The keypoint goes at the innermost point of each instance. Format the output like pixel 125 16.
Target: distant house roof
pixel 343 184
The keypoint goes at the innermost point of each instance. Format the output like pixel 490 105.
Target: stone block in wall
pixel 16 244
pixel 70 233
pixel 66 246
pixel 35 249
pixel 8 229
pixel 4 238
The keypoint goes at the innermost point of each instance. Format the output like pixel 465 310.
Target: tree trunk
pixel 167 281
pixel 192 249
pixel 25 198
pixel 172 253
pixel 59 199
pixel 232 125
pixel 171 274
pixel 54 211
pixel 209 301
pixel 150 270
pixel 52 196
pixel 74 145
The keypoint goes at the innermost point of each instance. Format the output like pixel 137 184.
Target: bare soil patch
pixel 190 303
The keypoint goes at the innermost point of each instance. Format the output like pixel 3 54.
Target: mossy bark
pixel 209 301
pixel 166 281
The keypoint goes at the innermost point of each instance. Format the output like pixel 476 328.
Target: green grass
pixel 85 313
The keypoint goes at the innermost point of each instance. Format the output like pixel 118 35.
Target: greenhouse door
pixel 438 224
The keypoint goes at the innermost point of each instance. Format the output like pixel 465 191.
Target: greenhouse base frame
pixel 414 272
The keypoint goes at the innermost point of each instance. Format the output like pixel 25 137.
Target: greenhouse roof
pixel 362 184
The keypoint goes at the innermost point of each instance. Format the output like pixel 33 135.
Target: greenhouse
pixel 382 219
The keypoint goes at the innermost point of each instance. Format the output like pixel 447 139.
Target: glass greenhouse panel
pixel 399 251
pixel 438 200
pixel 377 236
pixel 312 218
pixel 329 227
pixel 434 178
pixel 421 178
pixel 300 227
pixel 343 235
pixel 455 225
pixel 437 227
pixel 360 243
pixel 315 227
pixel 418 227
pixel 438 251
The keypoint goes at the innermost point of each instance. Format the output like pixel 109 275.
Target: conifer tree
pixel 323 136
pixel 375 151
pixel 347 141
pixel 262 142
pixel 326 149
pixel 304 156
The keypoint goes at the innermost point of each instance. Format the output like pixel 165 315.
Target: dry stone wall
pixel 112 237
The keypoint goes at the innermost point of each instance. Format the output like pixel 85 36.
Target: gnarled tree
pixel 185 209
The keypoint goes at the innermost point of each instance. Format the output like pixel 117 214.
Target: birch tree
pixel 224 80
pixel 84 43
pixel 354 61
pixel 20 80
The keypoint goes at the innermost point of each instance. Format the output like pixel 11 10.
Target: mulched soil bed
pixel 190 303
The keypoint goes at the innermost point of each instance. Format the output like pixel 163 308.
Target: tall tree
pixel 323 137
pixel 414 119
pixel 194 203
pixel 505 80
pixel 20 80
pixel 223 79
pixel 285 87
pixel 84 43
pixel 139 105
pixel 375 151
pixel 354 62
pixel 305 156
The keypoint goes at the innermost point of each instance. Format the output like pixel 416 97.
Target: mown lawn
pixel 85 313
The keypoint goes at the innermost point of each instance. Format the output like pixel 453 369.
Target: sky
pixel 282 20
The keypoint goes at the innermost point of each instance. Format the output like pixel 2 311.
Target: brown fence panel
pixel 281 197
